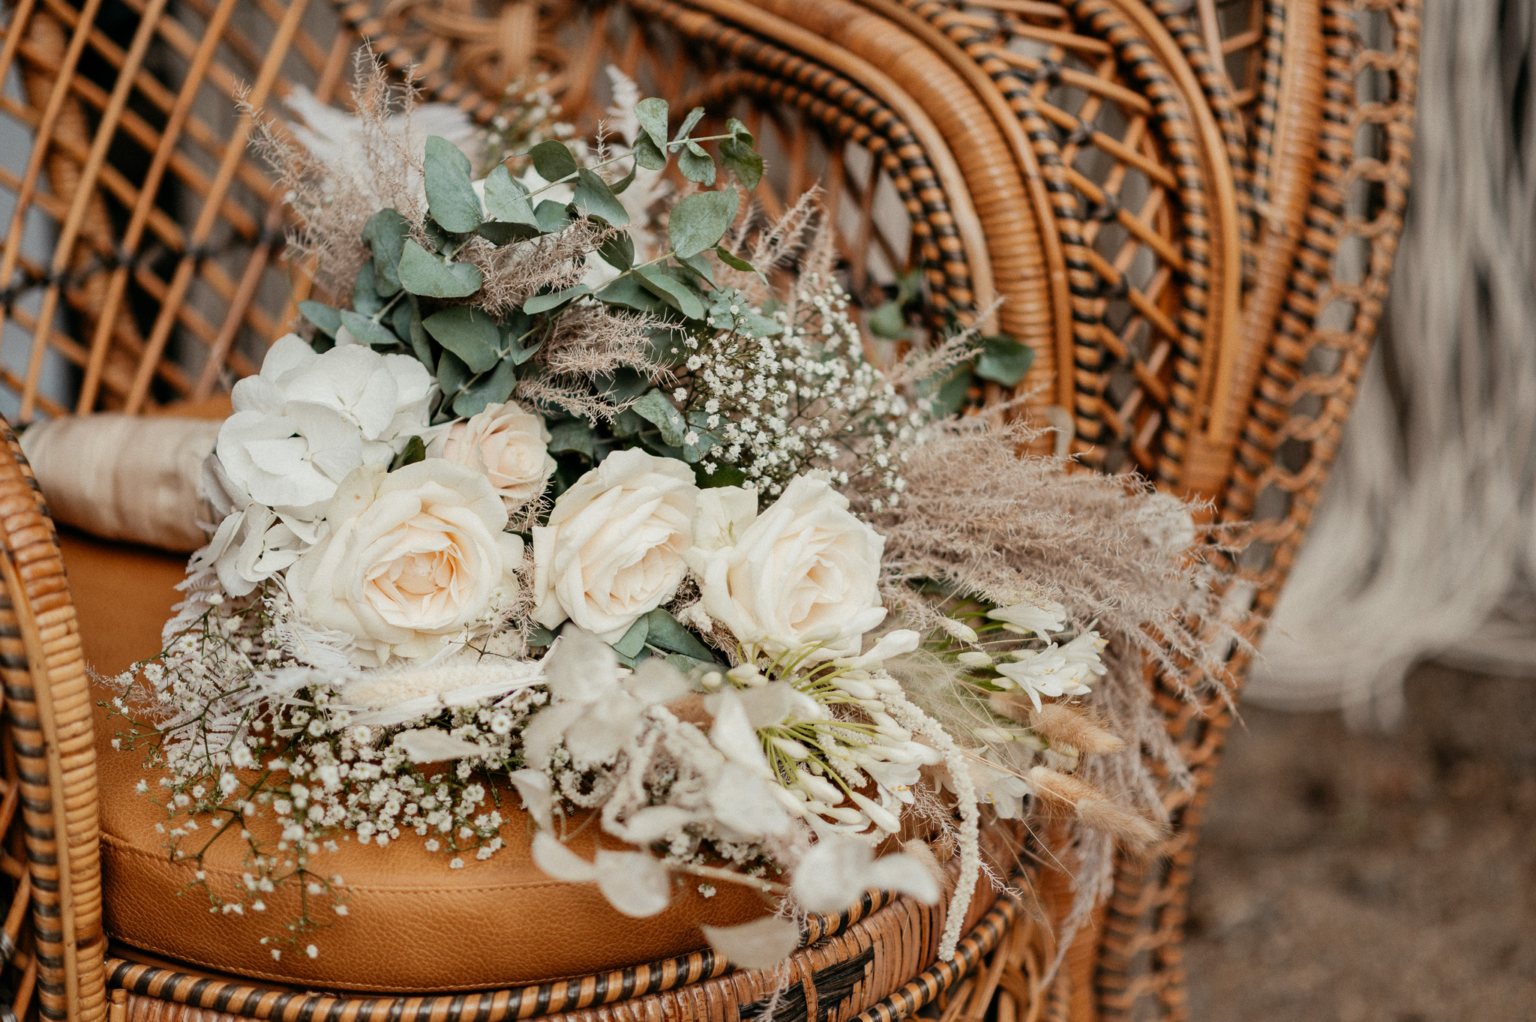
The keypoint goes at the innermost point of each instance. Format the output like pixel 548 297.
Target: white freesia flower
pixel 804 571
pixel 309 420
pixel 1032 616
pixel 613 548
pixel 1046 672
pixel 591 709
pixel 508 444
pixel 997 787
pixel 413 559
pixel 1087 651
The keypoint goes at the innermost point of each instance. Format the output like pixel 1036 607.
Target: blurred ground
pixel 1374 878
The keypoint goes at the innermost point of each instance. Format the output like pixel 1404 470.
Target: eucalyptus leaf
pixel 554 299
pixel 737 130
pixel 552 216
pixel 326 319
pixel 553 160
pixel 417 335
pixel 498 233
pixel 451 198
pixel 699 263
pixel 368 330
pixel 490 389
pixel 700 221
pixel 365 296
pixel 742 160
pixel 623 183
pixel 652 116
pixel 671 290
pixel 627 423
pixel 1004 360
pixel 385 233
pixel 696 164
pixel 413 452
pixel 889 322
pixel 574 436
pixel 618 250
pixel 649 155
pixel 734 261
pixel 665 632
pixel 422 273
pixel 594 198
pixel 452 374
pixel 507 200
pixel 654 408
pixel 689 123
pixel 629 293
pixel 723 475
pixel 401 315
pixel 633 641
pixel 540 636
pixel 467 332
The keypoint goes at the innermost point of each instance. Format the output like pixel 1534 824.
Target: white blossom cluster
pixel 792 391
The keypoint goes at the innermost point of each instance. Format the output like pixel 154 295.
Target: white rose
pixel 308 420
pixel 413 558
pixel 613 547
pixel 805 571
pixel 509 445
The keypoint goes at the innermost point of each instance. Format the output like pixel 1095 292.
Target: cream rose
pixel 613 547
pixel 412 559
pixel 804 571
pixel 510 445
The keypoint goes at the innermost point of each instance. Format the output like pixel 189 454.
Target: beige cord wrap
pixel 124 477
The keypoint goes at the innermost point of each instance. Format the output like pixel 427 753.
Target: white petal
pixel 533 788
pixel 760 944
pixel 634 883
pixel 430 745
pixel 559 861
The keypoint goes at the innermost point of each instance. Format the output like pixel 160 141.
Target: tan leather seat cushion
pixel 413 923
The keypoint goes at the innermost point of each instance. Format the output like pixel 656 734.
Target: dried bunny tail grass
pixel 1058 723
pixel 1095 810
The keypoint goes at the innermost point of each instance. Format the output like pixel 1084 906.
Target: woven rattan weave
pixel 1195 246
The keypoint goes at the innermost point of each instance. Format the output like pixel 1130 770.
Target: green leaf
pixel 326 319
pixel 888 321
pixel 633 640
pixel 490 389
pixel 452 374
pixel 618 250
pixel 413 452
pixel 422 273
pixel 689 123
pixel 699 263
pixel 700 221
pixel 626 424
pixel 451 198
pixel 723 475
pixel 649 155
pixel 948 395
pixel 594 198
pixel 759 326
pixel 552 216
pixel 652 115
pixel 735 262
pixel 553 160
pixel 507 200
pixel 554 299
pixel 417 335
pixel 365 329
pixel 1004 360
pixel 665 632
pixel 573 436
pixel 742 160
pixel 467 332
pixel 623 183
pixel 365 296
pixel 541 636
pixel 654 408
pixel 696 164
pixel 671 290
pixel 629 293
pixel 498 233
pixel 385 233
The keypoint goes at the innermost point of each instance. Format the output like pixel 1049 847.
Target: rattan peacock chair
pixel 1195 249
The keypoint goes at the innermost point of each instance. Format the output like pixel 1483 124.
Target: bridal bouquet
pixel 589 499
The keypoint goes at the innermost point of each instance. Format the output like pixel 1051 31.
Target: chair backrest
pixel 1196 249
